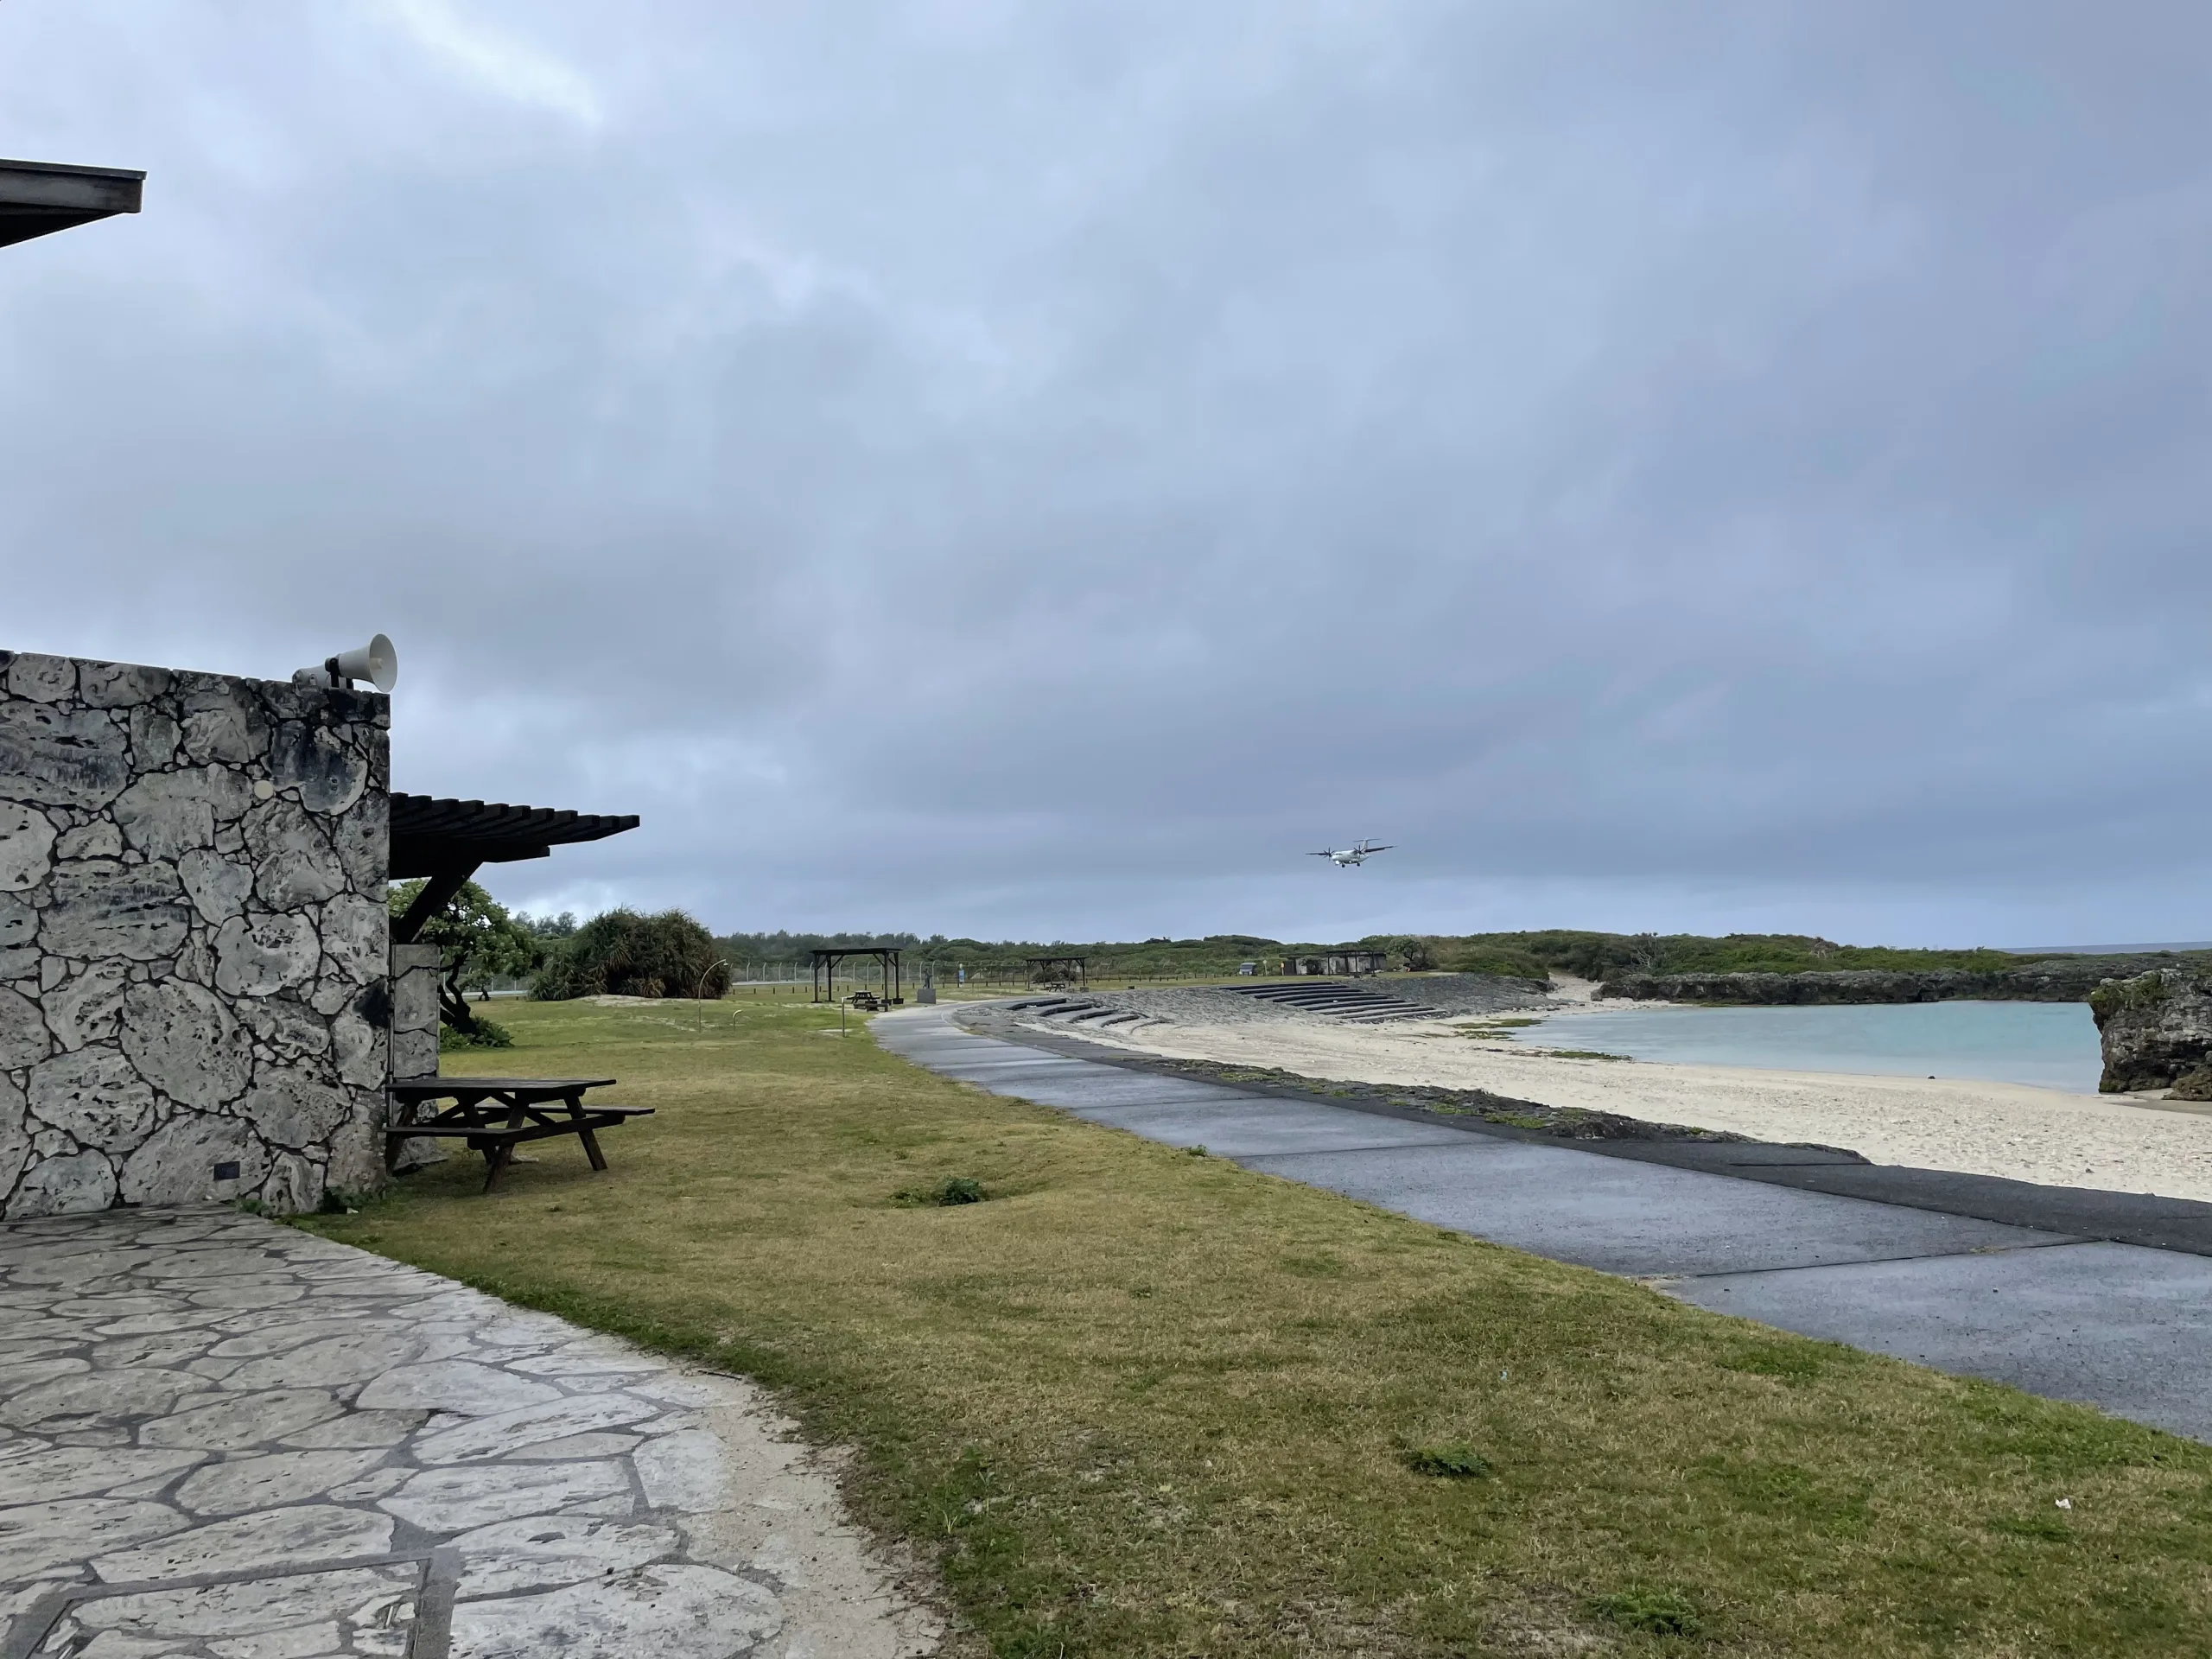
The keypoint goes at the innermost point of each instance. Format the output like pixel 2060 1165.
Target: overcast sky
pixel 1039 471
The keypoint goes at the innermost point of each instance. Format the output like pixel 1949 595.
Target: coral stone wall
pixel 193 1001
pixel 415 970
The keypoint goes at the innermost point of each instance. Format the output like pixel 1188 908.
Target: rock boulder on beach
pixel 2157 1032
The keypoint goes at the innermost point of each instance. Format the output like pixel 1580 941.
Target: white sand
pixel 2114 1143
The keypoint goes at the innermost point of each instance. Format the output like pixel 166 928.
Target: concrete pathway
pixel 2118 1325
pixel 229 1440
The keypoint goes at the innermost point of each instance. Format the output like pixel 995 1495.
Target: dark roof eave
pixel 37 198
pixel 434 837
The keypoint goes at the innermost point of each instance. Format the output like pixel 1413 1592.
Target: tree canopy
pixel 624 954
pixel 479 942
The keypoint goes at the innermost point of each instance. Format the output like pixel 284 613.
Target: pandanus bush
pixel 624 954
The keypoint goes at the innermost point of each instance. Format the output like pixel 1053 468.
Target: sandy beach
pixel 1984 1128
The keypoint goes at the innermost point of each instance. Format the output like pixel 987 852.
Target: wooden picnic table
pixel 496 1115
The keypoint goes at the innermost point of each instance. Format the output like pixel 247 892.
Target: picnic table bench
pixel 496 1115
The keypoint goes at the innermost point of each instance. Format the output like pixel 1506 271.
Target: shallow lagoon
pixel 2050 1045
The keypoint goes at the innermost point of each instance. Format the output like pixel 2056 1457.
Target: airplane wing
pixel 1384 849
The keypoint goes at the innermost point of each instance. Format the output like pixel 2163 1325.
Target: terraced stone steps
pixel 1072 1011
pixel 1354 1003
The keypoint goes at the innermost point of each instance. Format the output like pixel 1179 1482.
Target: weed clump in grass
pixel 953 1189
pixel 1789 1363
pixel 1656 1613
pixel 2043 1529
pixel 1456 1461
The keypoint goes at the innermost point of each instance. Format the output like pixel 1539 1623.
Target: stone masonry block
pixel 184 1040
pixel 43 679
pixel 58 757
pixel 259 956
pixel 294 863
pixel 95 1097
pixel 27 838
pixel 103 908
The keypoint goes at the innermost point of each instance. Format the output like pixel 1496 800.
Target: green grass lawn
pixel 1141 1401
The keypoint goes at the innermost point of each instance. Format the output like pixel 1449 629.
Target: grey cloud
pixel 1038 470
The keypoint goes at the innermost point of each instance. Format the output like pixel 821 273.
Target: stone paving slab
pixel 223 1438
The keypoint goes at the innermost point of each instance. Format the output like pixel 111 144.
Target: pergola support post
pixel 437 892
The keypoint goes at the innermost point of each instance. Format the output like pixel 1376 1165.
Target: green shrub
pixel 1452 1462
pixel 624 954
pixel 2144 991
pixel 953 1189
pixel 485 1033
pixel 1505 964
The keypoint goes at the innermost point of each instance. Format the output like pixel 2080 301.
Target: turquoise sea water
pixel 2050 1044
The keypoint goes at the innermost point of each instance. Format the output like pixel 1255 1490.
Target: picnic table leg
pixel 591 1141
pixel 497 1152
pixel 405 1115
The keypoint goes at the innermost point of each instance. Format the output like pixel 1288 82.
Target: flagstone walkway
pixel 225 1439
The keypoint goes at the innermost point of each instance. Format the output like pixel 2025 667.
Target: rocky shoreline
pixel 2065 979
pixel 2156 1030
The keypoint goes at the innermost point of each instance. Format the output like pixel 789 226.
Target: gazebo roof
pixel 431 838
pixel 36 197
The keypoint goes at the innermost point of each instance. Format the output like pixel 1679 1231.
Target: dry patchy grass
pixel 1143 1402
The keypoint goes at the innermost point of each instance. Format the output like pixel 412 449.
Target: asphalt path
pixel 2048 1289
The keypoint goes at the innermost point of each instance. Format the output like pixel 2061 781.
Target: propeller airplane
pixel 1358 853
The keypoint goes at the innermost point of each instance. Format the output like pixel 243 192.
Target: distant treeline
pixel 1536 954
pixel 1611 955
pixel 1787 967
pixel 1222 953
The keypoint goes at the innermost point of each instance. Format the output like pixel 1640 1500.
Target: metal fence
pixel 989 975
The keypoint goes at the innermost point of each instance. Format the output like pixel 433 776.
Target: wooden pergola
pixel 1058 968
pixel 828 961
pixel 445 842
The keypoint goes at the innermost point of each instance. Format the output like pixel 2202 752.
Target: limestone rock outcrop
pixel 2157 1032
pixel 193 995
pixel 2057 980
